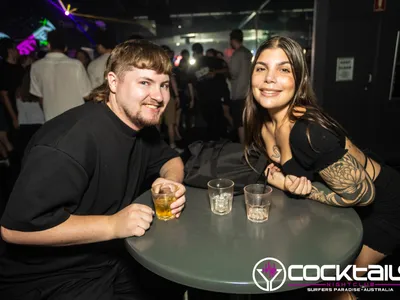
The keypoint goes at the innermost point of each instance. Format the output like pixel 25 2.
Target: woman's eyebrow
pixel 279 64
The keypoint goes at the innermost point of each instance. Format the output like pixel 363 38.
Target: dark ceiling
pixel 18 18
pixel 131 8
pixel 11 10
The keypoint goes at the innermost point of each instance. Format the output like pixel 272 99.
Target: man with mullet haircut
pixel 74 200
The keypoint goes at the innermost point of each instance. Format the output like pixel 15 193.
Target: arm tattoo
pixel 347 184
pixel 276 154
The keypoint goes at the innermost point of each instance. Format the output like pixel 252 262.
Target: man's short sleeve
pixel 159 151
pixel 47 191
pixel 35 86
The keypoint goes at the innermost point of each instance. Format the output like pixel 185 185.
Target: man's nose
pixel 156 94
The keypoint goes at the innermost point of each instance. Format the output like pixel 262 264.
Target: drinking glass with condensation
pixel 220 192
pixel 258 202
pixel 163 195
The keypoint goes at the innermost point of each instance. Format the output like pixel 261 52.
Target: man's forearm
pixel 173 170
pixel 76 230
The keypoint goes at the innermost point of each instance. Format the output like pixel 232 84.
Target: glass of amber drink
pixel 163 195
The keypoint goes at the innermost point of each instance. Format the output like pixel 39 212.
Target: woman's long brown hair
pixel 255 116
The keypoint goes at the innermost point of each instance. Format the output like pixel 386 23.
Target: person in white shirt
pixel 60 82
pixel 96 68
pixel 240 69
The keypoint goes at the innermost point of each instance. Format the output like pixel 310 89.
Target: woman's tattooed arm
pixel 276 152
pixel 347 184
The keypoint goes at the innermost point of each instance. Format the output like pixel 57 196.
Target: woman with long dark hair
pixel 312 154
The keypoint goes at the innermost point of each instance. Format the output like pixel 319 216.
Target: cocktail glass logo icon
pixel 271 271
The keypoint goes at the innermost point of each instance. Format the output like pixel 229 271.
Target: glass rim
pixel 267 187
pixel 172 192
pixel 226 187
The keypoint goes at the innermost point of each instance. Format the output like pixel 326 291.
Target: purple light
pixel 67 13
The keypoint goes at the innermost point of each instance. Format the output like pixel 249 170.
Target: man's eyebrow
pixel 147 79
pixel 152 80
pixel 279 64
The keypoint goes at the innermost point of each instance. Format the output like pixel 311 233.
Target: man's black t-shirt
pixel 182 77
pixel 222 86
pixel 84 162
pixel 207 85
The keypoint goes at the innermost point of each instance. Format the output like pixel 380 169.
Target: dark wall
pixel 352 29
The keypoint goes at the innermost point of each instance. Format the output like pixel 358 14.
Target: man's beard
pixel 142 122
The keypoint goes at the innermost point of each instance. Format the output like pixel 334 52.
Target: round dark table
pixel 218 253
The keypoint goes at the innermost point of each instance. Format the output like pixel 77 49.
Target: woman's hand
pixel 297 185
pixel 271 168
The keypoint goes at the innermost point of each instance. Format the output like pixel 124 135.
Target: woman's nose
pixel 270 76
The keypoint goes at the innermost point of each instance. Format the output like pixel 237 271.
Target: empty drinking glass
pixel 220 192
pixel 258 202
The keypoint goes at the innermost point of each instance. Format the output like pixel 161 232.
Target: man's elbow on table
pixel 17 237
pixel 8 235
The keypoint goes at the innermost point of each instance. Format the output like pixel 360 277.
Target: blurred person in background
pixel 222 76
pixel 83 57
pixel 169 117
pixel 6 147
pixel 11 73
pixel 30 114
pixel 60 82
pixel 220 55
pixel 104 45
pixel 239 68
pixel 207 86
pixel 184 117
